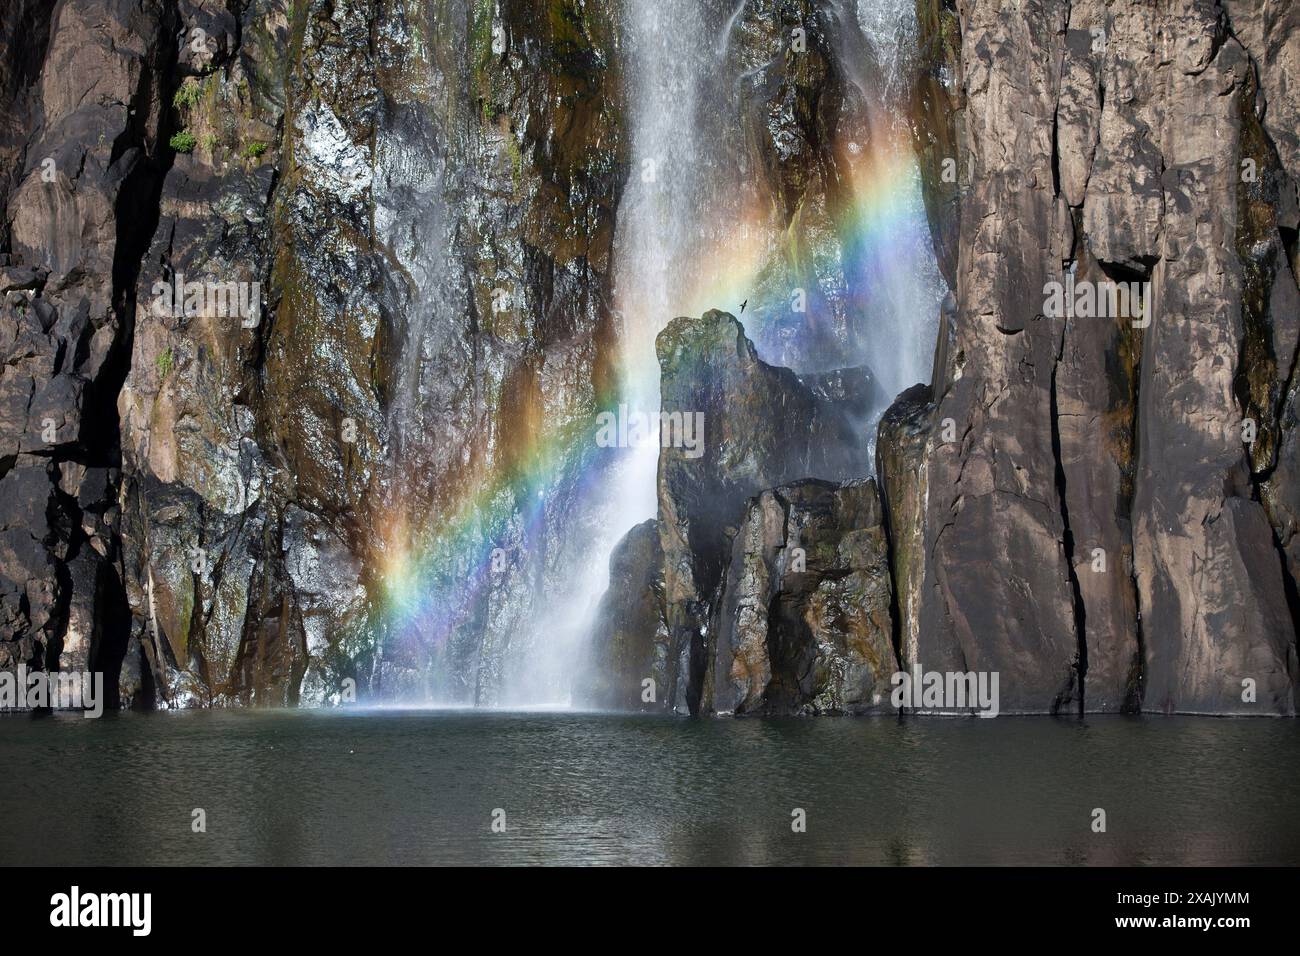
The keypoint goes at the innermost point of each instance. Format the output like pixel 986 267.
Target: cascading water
pixel 656 252
pixel 671 191
pixel 690 236
pixel 701 224
pixel 898 280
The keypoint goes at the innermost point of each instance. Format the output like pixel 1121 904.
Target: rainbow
pixel 435 572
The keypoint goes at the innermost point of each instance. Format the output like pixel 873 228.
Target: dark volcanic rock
pixel 775 604
pixel 1094 528
pixel 803 623
pixel 632 639
pixel 223 496
pixel 937 101
pixel 81 97
pixel 902 457
pixel 763 427
pixel 501 164
pixel 1214 610
pixel 997 594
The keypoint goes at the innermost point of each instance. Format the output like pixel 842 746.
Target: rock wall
pixel 84 141
pixel 763 427
pixel 759 596
pixel 633 647
pixel 502 166
pixel 208 502
pixel 804 622
pixel 1095 527
pixel 288 501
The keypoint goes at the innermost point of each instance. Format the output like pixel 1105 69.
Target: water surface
pixel 420 787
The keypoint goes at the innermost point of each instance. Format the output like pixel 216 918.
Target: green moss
pixel 164 362
pixel 1256 382
pixel 516 162
pixel 210 142
pixel 568 30
pixel 253 150
pixel 183 142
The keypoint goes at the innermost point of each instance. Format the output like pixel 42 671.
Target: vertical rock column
pixel 83 88
pixel 997 591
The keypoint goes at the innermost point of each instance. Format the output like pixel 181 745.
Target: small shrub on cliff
pixel 183 142
pixel 187 95
pixel 254 150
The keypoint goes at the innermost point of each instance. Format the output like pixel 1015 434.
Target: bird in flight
pixel 742 306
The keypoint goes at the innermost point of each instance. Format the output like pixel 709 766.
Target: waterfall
pixel 655 249
pixel 724 40
pixel 898 276
pixel 681 246
pixel 695 231
pixel 657 243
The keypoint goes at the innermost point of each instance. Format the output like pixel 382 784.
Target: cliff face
pixel 307 308
pixel 763 593
pixel 205 499
pixel 1094 522
pixel 763 427
pixel 804 620
pixel 83 106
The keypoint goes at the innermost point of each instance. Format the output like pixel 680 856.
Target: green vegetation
pixel 183 142
pixel 187 95
pixel 253 150
pixel 210 142
pixel 164 362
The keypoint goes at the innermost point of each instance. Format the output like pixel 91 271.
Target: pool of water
pixel 421 787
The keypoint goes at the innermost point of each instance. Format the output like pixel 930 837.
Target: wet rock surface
pixel 763 427
pixel 749 594
pixel 633 646
pixel 803 623
pixel 84 163
pixel 502 162
pixel 902 453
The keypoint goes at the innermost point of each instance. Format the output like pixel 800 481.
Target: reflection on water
pixel 420 787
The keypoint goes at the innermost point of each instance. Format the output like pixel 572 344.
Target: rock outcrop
pixel 633 646
pixel 763 427
pixel 84 140
pixel 759 596
pixel 803 623
pixel 902 454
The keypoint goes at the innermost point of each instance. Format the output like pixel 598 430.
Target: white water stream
pixel 683 196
